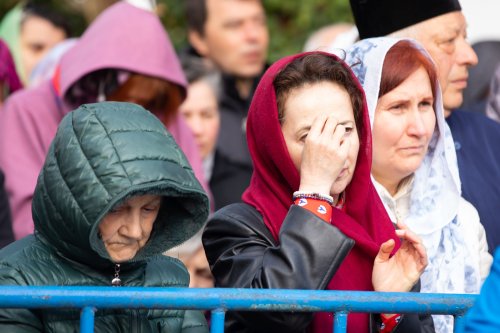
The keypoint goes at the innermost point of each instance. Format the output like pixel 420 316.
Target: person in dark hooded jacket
pixel 115 192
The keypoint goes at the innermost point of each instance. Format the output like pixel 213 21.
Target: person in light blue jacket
pixel 484 316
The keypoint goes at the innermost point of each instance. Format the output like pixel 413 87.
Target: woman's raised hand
pixel 325 153
pixel 401 271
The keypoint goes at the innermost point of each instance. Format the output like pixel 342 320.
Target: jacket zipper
pixel 134 313
pixel 116 281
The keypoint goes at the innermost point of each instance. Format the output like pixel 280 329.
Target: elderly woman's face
pixel 303 106
pixel 402 129
pixel 127 227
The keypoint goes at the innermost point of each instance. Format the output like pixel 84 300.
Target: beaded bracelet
pixel 312 195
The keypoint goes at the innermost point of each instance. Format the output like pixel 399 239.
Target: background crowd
pixel 405 177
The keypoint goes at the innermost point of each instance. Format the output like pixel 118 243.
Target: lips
pixel 122 244
pixel 413 149
pixel 460 83
pixel 253 56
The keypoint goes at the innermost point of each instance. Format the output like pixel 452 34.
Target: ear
pixel 198 42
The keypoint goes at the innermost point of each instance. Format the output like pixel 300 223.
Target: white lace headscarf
pixel 435 193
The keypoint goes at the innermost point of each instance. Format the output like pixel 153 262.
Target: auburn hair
pixel 402 60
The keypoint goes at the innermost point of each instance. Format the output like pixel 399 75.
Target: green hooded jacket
pixel 103 154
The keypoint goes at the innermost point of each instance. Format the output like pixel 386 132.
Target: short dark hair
pixel 196 15
pixel 48 13
pixel 316 68
pixel 196 69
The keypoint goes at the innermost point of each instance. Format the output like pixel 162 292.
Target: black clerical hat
pixel 376 18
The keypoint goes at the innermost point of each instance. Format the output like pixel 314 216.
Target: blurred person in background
pixel 9 83
pixel 45 69
pixel 233 35
pixel 484 36
pixel 9 80
pixel 192 254
pixel 124 55
pixel 31 29
pixel 201 112
pixel 333 38
pixel 441 28
pixel 200 109
pixel 482 78
pixel 493 97
pixel 42 27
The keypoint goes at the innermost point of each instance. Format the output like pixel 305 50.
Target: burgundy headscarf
pixel 275 178
pixel 8 73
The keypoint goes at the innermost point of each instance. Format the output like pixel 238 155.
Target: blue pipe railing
pixel 218 301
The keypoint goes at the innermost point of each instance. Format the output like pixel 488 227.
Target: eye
pixel 397 108
pixel 186 114
pixel 232 24
pixel 150 208
pixel 348 129
pixel 448 44
pixel 116 210
pixel 208 114
pixel 37 48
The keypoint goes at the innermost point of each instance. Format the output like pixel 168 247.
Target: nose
pixel 196 126
pixel 133 226
pixel 466 54
pixel 416 126
pixel 252 31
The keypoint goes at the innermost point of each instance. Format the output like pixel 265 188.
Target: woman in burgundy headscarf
pixel 311 218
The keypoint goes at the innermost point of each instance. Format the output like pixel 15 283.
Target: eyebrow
pixel 157 200
pixel 346 122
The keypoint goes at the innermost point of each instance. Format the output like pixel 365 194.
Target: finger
pixel 412 241
pixel 338 134
pixel 317 126
pixel 330 125
pixel 385 250
pixel 422 253
pixel 345 145
pixel 424 259
pixel 408 235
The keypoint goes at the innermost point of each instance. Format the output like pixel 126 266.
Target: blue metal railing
pixel 89 299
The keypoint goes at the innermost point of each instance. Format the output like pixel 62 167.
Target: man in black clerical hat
pixel 440 26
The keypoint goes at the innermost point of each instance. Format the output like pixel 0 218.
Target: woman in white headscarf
pixel 414 164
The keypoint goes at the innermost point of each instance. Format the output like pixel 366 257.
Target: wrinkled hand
pixel 325 153
pixel 401 271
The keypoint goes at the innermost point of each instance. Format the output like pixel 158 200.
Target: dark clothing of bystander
pixel 477 145
pixel 233 166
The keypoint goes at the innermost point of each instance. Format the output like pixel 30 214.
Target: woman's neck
pixel 391 185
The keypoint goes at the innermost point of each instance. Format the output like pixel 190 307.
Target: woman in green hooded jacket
pixel 115 192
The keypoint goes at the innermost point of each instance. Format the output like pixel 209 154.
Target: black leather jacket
pixel 243 254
